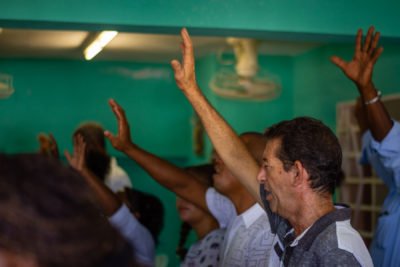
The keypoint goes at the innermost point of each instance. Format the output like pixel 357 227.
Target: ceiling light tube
pixel 97 45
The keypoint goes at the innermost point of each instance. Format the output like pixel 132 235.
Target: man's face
pixel 275 179
pixel 223 179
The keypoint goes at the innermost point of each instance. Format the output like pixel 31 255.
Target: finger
pixel 376 55
pixel 188 59
pixel 358 43
pixel 118 111
pixel 53 140
pixel 78 145
pixel 123 126
pixel 187 41
pixel 68 157
pixel 82 153
pixel 42 138
pixel 182 46
pixel 374 43
pixel 54 146
pixel 176 66
pixel 367 43
pixel 339 62
pixel 109 136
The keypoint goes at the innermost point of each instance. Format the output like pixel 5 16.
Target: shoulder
pixel 220 207
pixel 341 243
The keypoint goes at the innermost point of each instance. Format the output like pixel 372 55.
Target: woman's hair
pixel 202 173
pixel 96 158
pixel 181 250
pixel 48 212
pixel 149 208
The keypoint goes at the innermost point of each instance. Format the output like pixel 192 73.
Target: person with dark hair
pixel 147 208
pixel 184 232
pixel 297 180
pixel 380 145
pixel 49 218
pixel 96 158
pixel 98 161
pixel 248 229
pixel 118 213
pixel 205 251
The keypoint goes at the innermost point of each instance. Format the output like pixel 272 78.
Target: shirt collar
pixel 252 214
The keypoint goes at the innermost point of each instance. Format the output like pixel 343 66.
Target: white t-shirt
pixel 117 178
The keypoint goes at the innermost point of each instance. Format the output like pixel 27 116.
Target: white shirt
pixel 136 234
pixel 117 178
pixel 220 207
pixel 248 238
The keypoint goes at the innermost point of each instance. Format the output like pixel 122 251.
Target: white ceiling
pixel 15 43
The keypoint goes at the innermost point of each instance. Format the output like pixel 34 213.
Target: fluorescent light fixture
pixel 97 45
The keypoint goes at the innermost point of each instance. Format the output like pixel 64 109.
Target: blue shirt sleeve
pixel 388 153
pixel 136 234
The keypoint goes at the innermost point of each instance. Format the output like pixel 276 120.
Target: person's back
pixel 49 218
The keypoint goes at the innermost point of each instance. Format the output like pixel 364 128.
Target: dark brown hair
pixel 313 144
pixel 96 158
pixel 48 211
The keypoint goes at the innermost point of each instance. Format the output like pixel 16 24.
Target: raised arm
pixel 119 216
pixel 168 175
pixel 359 70
pixel 109 202
pixel 226 142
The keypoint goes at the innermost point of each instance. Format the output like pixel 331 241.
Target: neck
pixel 242 201
pixel 308 210
pixel 205 226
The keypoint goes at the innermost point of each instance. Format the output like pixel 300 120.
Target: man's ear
pixel 300 174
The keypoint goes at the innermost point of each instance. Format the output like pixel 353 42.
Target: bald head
pixel 255 143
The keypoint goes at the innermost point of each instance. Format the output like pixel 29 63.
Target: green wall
pixel 319 85
pixel 55 96
pixel 246 115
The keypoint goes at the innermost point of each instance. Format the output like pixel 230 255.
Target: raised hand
pixel 185 72
pixel 122 140
pixel 360 68
pixel 77 160
pixel 48 145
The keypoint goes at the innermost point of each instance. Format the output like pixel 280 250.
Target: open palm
pixel 360 68
pixel 122 140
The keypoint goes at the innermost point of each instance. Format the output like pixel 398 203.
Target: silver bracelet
pixel 375 99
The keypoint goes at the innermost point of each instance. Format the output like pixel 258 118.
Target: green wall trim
pixel 299 18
